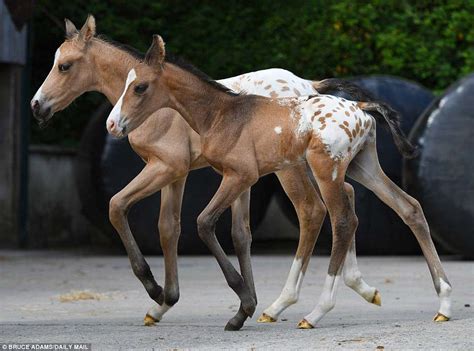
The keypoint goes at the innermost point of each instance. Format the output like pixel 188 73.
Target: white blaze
pixel 117 110
pixel 39 93
pixel 278 130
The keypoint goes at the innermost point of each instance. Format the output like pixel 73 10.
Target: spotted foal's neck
pixel 198 101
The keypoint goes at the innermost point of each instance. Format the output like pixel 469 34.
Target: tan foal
pixel 245 137
pixel 170 149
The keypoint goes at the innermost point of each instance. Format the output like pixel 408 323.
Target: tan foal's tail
pixel 382 112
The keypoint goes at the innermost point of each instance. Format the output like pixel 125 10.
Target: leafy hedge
pixel 431 42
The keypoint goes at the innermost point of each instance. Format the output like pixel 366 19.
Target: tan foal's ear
pixel 88 29
pixel 155 56
pixel 71 29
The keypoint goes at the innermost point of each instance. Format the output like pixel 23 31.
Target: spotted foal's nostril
pixel 111 125
pixel 35 106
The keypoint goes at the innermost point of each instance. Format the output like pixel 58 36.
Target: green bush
pixel 427 41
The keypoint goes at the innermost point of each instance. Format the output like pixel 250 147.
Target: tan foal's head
pixel 70 76
pixel 144 92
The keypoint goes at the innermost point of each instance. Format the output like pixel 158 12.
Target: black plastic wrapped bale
pixel 380 230
pixel 105 165
pixel 442 177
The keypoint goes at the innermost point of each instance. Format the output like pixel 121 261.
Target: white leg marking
pixel 117 110
pixel 158 311
pixel 290 292
pixel 353 277
pixel 327 300
pixel 445 298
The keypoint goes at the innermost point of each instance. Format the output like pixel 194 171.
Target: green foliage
pixel 427 41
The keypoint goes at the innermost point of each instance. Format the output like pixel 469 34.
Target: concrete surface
pixel 30 309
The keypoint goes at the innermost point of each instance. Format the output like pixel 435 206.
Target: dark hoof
pixel 233 326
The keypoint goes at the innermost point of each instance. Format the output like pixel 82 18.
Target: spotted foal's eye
pixel 140 88
pixel 64 67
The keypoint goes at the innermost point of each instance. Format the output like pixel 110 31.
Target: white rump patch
pixel 117 110
pixel 278 130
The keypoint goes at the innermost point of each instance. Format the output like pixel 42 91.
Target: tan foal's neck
pixel 110 66
pixel 195 99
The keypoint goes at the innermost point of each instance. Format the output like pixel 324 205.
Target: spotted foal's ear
pixel 71 29
pixel 88 29
pixel 155 56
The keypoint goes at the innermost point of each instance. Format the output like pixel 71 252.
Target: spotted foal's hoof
pixel 304 324
pixel 265 318
pixel 377 299
pixel 440 318
pixel 149 321
pixel 232 327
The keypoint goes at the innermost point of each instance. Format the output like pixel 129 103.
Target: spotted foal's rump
pixel 245 137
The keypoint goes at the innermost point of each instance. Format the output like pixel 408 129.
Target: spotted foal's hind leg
pixel 351 273
pixel 344 224
pixel 242 240
pixel 365 169
pixel 169 227
pixel 311 212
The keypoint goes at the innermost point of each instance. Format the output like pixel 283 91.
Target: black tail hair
pixel 382 112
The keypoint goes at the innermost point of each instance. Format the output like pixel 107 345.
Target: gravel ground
pixel 34 306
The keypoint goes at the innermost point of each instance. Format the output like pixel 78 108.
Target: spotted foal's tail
pixel 382 112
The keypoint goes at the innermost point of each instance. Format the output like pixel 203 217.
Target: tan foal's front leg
pixel 151 179
pixel 169 227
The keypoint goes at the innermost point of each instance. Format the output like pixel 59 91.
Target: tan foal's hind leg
pixel 169 227
pixel 351 273
pixel 365 169
pixel 344 224
pixel 311 212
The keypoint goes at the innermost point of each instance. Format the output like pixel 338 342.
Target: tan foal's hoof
pixel 440 318
pixel 265 318
pixel 149 321
pixel 304 324
pixel 377 300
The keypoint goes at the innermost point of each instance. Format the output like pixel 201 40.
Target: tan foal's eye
pixel 64 67
pixel 140 88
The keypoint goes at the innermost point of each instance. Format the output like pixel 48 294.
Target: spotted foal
pixel 86 63
pixel 245 137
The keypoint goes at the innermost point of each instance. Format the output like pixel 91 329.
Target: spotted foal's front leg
pixel 231 187
pixel 311 212
pixel 169 227
pixel 242 240
pixel 344 224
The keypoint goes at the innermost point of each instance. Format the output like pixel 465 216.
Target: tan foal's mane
pixel 176 60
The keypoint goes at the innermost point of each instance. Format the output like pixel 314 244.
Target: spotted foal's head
pixel 70 76
pixel 144 92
